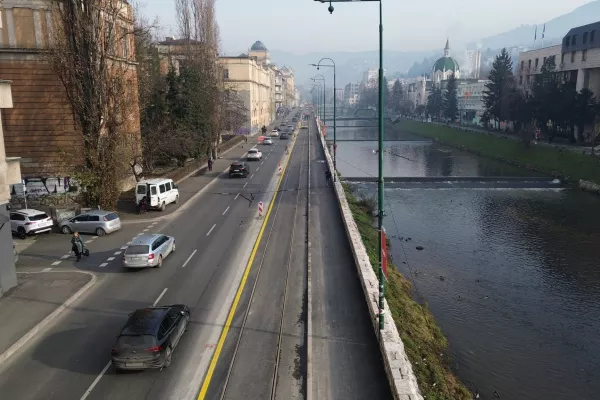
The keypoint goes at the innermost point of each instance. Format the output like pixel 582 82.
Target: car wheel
pixel 176 199
pixel 168 357
pixel 159 263
pixel 163 206
pixel 21 232
pixel 65 229
pixel 100 232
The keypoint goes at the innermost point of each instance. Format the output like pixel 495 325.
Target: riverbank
pixel 572 167
pixel 424 343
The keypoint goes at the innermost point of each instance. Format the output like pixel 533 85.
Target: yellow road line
pixel 238 295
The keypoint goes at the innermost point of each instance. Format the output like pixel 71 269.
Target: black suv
pixel 149 337
pixel 284 136
pixel 239 169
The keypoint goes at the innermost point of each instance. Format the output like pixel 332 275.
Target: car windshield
pixel 38 217
pixel 138 249
pixel 252 151
pixel 127 341
pixel 141 189
pixel 111 217
pixel 234 166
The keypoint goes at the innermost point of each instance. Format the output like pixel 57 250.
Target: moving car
pixel 97 222
pixel 254 155
pixel 148 250
pixel 239 169
pixel 284 136
pixel 149 337
pixel 275 132
pixel 268 141
pixel 29 222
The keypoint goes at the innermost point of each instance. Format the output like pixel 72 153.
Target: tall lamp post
pixel 317 96
pixel 380 152
pixel 321 77
pixel 318 65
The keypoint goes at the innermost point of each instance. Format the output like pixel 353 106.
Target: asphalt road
pixel 214 240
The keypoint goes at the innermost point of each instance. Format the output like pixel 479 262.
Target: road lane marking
pixel 189 258
pixel 257 168
pixel 159 297
pixel 117 253
pixel 55 263
pixel 125 247
pixel 245 184
pixel 93 385
pixel 238 295
pixel 103 265
pixel 225 212
pixel 46 269
pixel 110 258
pixel 89 241
pixel 146 230
pixel 65 256
pixel 262 163
pixel 236 196
pixel 211 229
pixel 251 176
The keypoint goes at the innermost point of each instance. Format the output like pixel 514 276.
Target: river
pixel 512 275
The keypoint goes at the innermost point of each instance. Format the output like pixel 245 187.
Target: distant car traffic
pixel 284 136
pixel 29 222
pixel 275 133
pixel 148 250
pixel 254 155
pixel 97 222
pixel 240 169
pixel 267 141
pixel 149 337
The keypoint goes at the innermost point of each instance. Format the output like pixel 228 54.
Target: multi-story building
pixel 577 60
pixel 370 78
pixel 252 81
pixel 289 86
pixel 470 100
pixel 352 93
pixel 41 127
pixel 471 65
pixel 173 53
pixel 10 174
pixel 279 93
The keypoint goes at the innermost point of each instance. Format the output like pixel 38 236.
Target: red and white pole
pixel 260 208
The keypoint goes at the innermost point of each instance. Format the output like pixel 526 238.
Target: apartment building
pixel 41 127
pixel 577 59
pixel 352 93
pixel 470 100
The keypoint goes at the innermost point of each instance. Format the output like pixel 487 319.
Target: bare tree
pixel 91 55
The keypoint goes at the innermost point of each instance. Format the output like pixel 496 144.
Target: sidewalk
pixel 189 186
pixel 37 299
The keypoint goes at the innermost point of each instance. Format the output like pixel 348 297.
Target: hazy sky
pixel 302 26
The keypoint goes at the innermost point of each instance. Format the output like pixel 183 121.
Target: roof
pixel 178 42
pixel 29 211
pixel 446 64
pixel 145 321
pixel 581 31
pixel 155 181
pixel 145 239
pixel 258 46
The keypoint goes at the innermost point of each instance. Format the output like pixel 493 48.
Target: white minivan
pixel 159 192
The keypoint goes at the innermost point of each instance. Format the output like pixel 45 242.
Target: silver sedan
pixel 148 250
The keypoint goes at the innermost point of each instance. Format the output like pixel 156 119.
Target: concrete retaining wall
pixel 403 381
pixel 589 186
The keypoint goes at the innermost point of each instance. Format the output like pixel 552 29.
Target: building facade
pixel 445 67
pixel 41 126
pixel 470 101
pixel 352 93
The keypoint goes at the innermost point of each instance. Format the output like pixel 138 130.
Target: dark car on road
pixel 239 169
pixel 284 136
pixel 149 337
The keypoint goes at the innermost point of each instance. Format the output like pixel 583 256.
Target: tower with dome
pixel 445 67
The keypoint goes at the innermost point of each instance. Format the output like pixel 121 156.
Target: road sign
pixel 260 208
pixel 384 255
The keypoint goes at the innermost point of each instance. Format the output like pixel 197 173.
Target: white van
pixel 159 192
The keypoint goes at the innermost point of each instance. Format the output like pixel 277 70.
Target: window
pixel 520 79
pixel 592 36
pixel 583 55
pixel 529 66
pixel 544 60
pixel 161 188
pixel 225 73
pixel 17 217
pixel 522 64
pixel 562 58
pixel 585 37
pixel 567 41
pixel 94 218
pixel 168 186
pixel 537 62
pixel 528 79
pixel 141 189
pixel 153 190
pixel 573 56
pixel 82 218
pixel 574 40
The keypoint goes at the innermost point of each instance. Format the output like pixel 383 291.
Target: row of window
pixel 572 40
pixel 562 59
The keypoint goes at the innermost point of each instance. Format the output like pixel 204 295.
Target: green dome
pixel 446 64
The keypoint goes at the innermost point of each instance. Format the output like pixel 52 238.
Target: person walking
pixel 77 245
pixel 210 164
pixel 328 177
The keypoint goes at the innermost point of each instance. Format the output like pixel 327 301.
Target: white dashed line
pixel 89 241
pixel 110 258
pixel 146 230
pixel 251 176
pixel 211 229
pixel 160 296
pixel 125 247
pixel 257 168
pixel 245 184
pixel 65 256
pixel 262 163
pixel 236 196
pixel 117 253
pixel 55 263
pixel 103 265
pixel 225 212
pixel 128 243
pixel 46 269
pixel 189 258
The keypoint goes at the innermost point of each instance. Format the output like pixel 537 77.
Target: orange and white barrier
pixel 260 208
pixel 279 169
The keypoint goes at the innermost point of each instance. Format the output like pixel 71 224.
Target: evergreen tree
pixel 451 99
pixel 546 100
pixel 435 102
pixel 496 96
pixel 386 93
pixel 396 96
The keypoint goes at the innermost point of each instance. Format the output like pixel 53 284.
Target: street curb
pixel 43 323
pixel 398 369
pixel 309 383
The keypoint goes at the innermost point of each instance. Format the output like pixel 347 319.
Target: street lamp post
pixel 317 96
pixel 380 179
pixel 321 77
pixel 334 113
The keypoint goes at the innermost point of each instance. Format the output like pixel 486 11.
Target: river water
pixel 512 275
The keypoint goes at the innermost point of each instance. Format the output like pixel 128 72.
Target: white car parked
pixel 29 222
pixel 254 155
